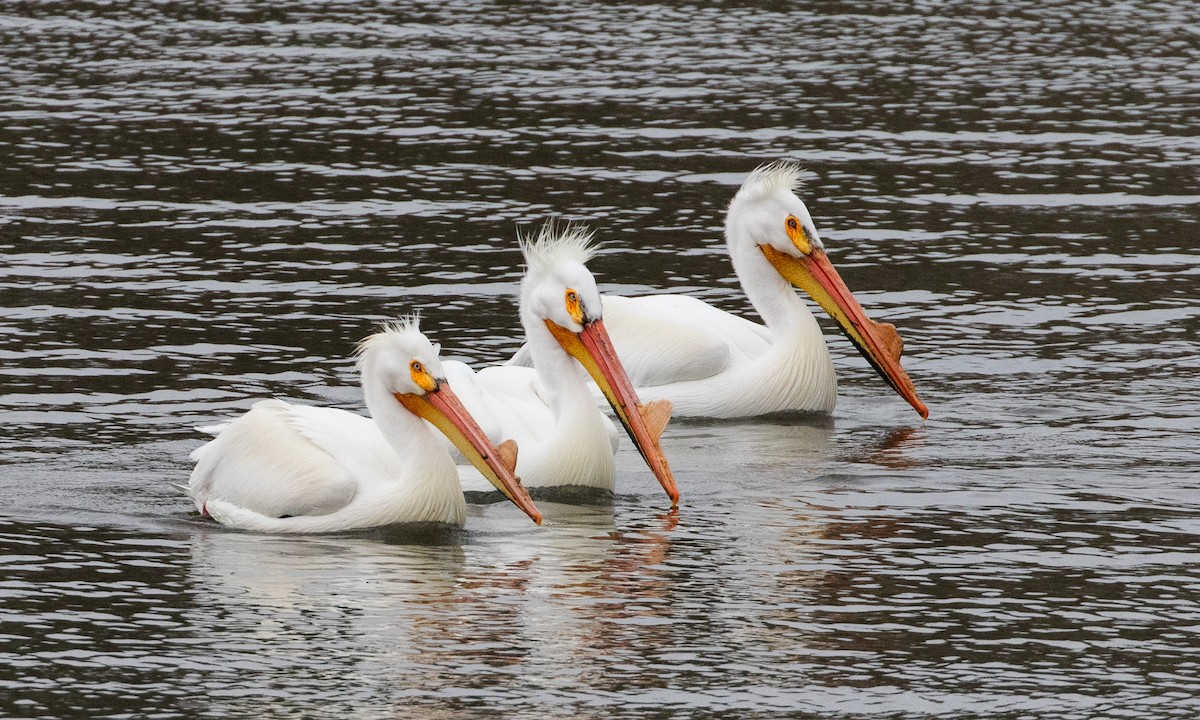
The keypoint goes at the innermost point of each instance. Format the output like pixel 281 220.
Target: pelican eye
pixel 574 306
pixel 421 376
pixel 798 234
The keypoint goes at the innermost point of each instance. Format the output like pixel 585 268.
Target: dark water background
pixel 206 203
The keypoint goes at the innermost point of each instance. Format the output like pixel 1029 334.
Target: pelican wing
pixel 508 402
pixel 275 460
pixel 663 339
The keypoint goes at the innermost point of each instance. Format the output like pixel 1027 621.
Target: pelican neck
pixel 558 371
pixel 773 297
pixel 408 435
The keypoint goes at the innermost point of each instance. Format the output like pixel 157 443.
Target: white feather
pixel 282 467
pixel 773 179
pixel 711 363
pixel 556 245
pixel 565 439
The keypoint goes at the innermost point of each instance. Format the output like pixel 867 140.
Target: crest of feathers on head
pixel 556 243
pixel 398 329
pixel 771 178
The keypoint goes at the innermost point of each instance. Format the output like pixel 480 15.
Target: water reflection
pixel 583 591
pixel 892 448
pixel 701 606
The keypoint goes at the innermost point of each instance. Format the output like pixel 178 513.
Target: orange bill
pixel 445 411
pixel 879 343
pixel 593 348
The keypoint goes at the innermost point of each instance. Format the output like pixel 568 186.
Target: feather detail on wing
pixel 267 461
pixel 508 402
pixel 663 339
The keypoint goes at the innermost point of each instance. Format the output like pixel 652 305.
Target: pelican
pixel 288 468
pixel 548 409
pixel 712 364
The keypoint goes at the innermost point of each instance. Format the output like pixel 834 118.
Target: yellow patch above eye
pixel 574 306
pixel 421 377
pixel 796 233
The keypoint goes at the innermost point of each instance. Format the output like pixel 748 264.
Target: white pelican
pixel 710 363
pixel 549 410
pixel 294 468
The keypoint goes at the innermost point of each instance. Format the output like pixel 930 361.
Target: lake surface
pixel 203 204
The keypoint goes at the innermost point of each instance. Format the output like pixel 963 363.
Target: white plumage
pixel 710 363
pixel 283 467
pixel 548 409
pixel 565 440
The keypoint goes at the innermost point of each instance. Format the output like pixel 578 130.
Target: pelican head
pixel 559 290
pixel 767 212
pixel 406 363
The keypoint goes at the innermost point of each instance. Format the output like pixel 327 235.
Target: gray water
pixel 203 204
